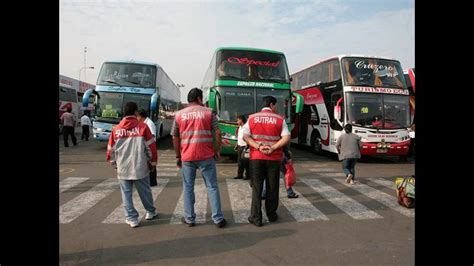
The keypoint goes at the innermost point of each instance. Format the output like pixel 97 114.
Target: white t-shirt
pixel 85 121
pixel 240 137
pixel 151 126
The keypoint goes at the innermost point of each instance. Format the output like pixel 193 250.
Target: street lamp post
pixel 91 67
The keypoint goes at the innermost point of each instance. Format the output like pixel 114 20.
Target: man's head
pixel 348 128
pixel 195 96
pixel 270 101
pixel 241 120
pixel 142 115
pixel 130 108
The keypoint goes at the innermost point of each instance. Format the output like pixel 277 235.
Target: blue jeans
pixel 144 191
pixel 289 191
pixel 348 166
pixel 208 170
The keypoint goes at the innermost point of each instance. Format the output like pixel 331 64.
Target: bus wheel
pixel 316 145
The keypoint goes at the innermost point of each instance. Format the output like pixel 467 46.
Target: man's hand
pixel 179 163
pixel 217 156
pixel 265 149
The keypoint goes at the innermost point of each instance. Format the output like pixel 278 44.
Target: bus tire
pixel 316 145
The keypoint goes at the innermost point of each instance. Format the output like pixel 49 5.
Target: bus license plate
pixel 381 151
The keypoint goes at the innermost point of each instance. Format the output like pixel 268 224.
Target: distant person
pixel 86 124
pixel 348 146
pixel 143 117
pixel 243 163
pixel 287 158
pixel 133 148
pixel 68 120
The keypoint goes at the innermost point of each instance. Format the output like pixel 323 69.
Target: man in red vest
pixel 194 131
pixel 267 133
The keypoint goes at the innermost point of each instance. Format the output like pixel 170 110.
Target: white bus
pixel 144 83
pixel 368 92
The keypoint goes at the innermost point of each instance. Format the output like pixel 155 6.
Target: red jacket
pixel 195 132
pixel 133 147
pixel 265 127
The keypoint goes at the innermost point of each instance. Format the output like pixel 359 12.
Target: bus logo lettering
pixel 248 62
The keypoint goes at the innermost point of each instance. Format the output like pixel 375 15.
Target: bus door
pixel 305 122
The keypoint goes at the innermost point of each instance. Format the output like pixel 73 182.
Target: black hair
pixel 267 100
pixel 130 108
pixel 242 117
pixel 143 113
pixel 348 128
pixel 194 94
pixel 69 110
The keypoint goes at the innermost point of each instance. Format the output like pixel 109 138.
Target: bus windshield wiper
pixel 233 77
pixel 274 80
pixel 110 81
pixel 133 82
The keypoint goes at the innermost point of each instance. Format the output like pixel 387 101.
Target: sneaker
pixel 352 182
pixel 222 223
pixel 349 178
pixel 132 224
pixel 151 215
pixel 186 222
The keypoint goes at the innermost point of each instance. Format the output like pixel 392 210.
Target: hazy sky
pixel 182 35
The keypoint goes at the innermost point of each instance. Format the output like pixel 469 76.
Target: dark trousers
pixel 153 178
pixel 242 163
pixel 85 132
pixel 270 172
pixel 68 130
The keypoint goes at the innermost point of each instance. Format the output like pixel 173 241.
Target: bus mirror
pixel 299 102
pixel 337 112
pixel 154 102
pixel 212 100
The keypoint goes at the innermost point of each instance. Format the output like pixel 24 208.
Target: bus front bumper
pixel 400 148
pixel 102 136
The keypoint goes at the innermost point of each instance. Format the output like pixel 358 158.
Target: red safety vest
pixel 196 133
pixel 265 127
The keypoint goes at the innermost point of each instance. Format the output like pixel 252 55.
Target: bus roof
pixel 248 49
pixel 132 62
pixel 340 57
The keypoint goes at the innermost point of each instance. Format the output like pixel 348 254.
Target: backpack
pixel 405 187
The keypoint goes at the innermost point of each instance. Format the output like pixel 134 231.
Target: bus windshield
pixel 109 105
pixel 251 65
pixel 373 72
pixel 383 111
pixel 241 101
pixel 125 74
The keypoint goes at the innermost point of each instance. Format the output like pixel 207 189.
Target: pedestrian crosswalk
pixel 324 179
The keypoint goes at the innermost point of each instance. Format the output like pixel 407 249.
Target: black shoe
pixel 293 196
pixel 246 178
pixel 256 223
pixel 221 223
pixel 238 177
pixel 272 218
pixel 185 222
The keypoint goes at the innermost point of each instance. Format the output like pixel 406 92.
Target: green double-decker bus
pixel 236 81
